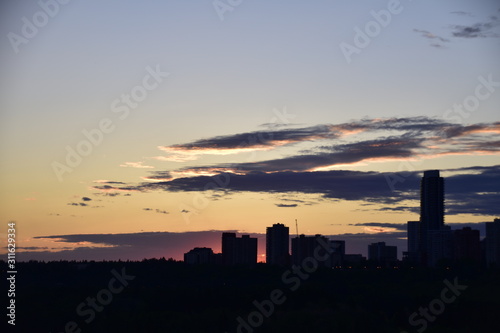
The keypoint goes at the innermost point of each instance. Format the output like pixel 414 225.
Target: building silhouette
pixel 413 235
pixel 466 245
pixel 304 246
pixel 337 255
pixel 434 238
pixel 382 254
pixel 277 245
pixel 238 251
pixel 493 243
pixel 439 246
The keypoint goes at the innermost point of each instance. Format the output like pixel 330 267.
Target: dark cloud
pixel 86 199
pixel 137 246
pixel 184 211
pixel 258 138
pixel 107 194
pixel 468 192
pixel 133 246
pixel 390 147
pixel 478 30
pixel 411 137
pixel 82 204
pixel 286 205
pixel 156 210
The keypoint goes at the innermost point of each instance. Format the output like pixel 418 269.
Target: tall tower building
pixel 277 245
pixel 431 213
pixel 432 200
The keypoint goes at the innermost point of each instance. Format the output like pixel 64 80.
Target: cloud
pixel 184 211
pixel 138 165
pixel 395 226
pixel 286 205
pixel 156 210
pixel 82 204
pixel 436 41
pixel 317 169
pixel 137 246
pixel 462 13
pixel 108 182
pixel 86 199
pixel 430 35
pixel 478 30
pixel 245 142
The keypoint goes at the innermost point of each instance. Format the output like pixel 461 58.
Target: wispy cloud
pixel 477 30
pixel 245 142
pixel 286 205
pixel 138 165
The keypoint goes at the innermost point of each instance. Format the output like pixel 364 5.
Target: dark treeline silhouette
pixel 170 296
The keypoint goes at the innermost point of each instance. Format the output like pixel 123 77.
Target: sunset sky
pixel 143 129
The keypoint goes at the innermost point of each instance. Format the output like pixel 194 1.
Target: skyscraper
pixel 277 244
pixel 431 216
pixel 432 200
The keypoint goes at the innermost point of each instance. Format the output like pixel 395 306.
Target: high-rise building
pixel 382 254
pixel 277 245
pixel 238 251
pixel 432 219
pixel 304 246
pixel 493 242
pixel 466 245
pixel 337 255
pixel 439 246
pixel 413 235
pixel 432 200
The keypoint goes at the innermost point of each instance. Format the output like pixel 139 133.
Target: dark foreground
pixel 167 296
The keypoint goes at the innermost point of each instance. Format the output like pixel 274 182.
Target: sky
pixel 133 130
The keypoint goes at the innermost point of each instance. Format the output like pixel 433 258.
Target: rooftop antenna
pixel 297 228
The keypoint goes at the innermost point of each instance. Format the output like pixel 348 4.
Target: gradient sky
pixel 260 102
